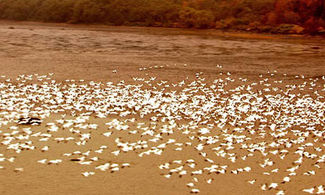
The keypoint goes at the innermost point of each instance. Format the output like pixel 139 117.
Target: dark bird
pixel 29 121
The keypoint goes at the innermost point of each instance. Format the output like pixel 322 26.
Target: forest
pixel 274 16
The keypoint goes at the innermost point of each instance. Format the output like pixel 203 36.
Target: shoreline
pixel 172 30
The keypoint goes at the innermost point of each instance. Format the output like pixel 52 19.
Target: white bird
pixel 273 185
pixel 286 179
pixel 19 169
pixel 86 174
pixel 320 189
pixel 190 184
pixel 43 161
pixel 280 192
pixel 309 190
pixel 45 148
pixel 116 153
pixel 103 167
pixel 195 191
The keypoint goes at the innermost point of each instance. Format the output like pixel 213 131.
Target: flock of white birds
pixel 271 128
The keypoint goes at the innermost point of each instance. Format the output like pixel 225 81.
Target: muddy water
pixel 92 52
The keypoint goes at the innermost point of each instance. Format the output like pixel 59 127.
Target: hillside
pixel 275 16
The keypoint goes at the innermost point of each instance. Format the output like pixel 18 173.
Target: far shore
pixel 157 30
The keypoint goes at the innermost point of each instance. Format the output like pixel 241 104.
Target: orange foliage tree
pixel 308 13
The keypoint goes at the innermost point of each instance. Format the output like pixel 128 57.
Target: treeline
pixel 283 16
